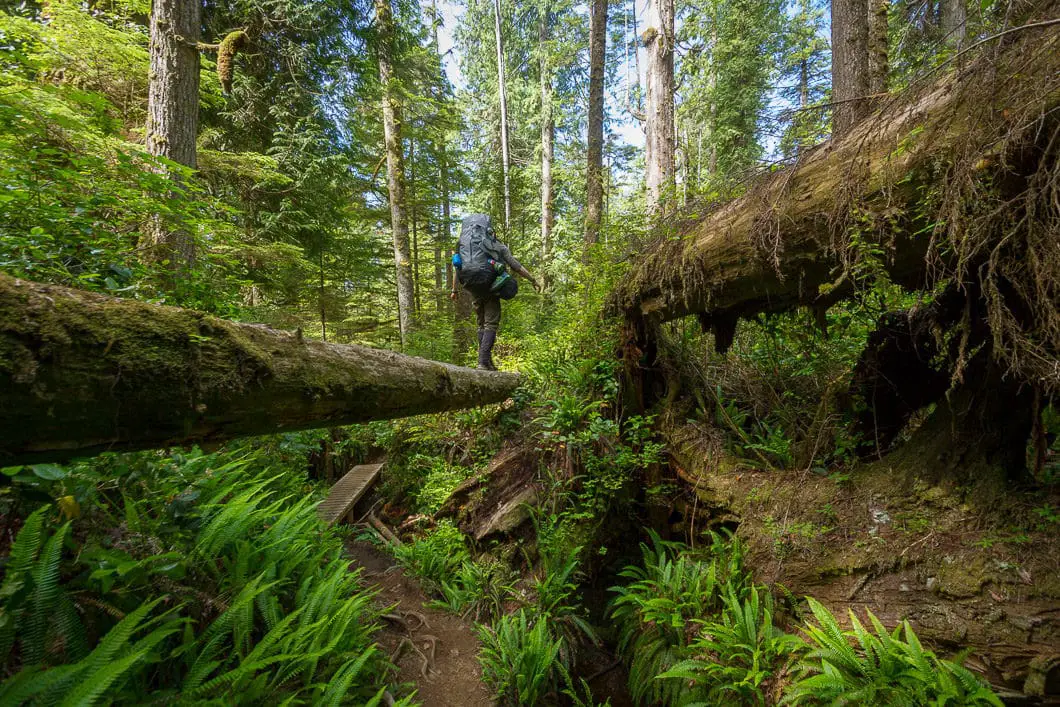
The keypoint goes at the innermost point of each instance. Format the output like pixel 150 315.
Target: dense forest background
pixel 312 177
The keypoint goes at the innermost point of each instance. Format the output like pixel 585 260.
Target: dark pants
pixel 488 311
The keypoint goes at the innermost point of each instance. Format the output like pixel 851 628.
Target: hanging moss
pixel 226 52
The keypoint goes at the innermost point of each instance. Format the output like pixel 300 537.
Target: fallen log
pixel 895 179
pixel 82 373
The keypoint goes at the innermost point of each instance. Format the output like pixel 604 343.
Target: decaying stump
pixel 498 501
pixel 82 373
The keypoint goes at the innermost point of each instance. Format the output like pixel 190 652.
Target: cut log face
pixel 785 242
pixel 82 373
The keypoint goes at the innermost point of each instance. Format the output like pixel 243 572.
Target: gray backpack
pixel 477 251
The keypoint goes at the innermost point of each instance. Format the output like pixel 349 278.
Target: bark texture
pixel 594 183
pixel 953 16
pixel 776 246
pixel 173 83
pixel 548 134
pixel 82 373
pixel 878 63
pixel 502 89
pixel 395 168
pixel 659 104
pixel 443 237
pixel 850 63
pixel 173 110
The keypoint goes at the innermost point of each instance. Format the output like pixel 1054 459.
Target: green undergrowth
pixel 696 630
pixel 182 578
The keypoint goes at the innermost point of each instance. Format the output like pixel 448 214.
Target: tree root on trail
pixel 400 617
pixel 428 660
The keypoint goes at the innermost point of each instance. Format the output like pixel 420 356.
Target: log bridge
pixel 83 373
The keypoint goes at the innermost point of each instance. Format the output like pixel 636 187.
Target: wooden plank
pixel 344 495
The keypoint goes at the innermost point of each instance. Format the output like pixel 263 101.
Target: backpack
pixel 477 252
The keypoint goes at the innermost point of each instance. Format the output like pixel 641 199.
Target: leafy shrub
pixel 879 668
pixel 477 590
pixel 556 601
pixel 440 478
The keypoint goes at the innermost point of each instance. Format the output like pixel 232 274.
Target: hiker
pixel 481 263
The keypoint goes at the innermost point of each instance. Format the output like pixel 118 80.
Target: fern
pixel 290 622
pixel 656 611
pixel 737 658
pixel 860 666
pixel 45 595
pixel 520 659
pixel 14 588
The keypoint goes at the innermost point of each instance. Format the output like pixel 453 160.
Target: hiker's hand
pixel 452 295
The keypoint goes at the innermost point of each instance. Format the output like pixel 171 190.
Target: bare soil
pixel 436 651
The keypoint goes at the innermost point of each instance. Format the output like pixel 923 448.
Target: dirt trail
pixel 438 656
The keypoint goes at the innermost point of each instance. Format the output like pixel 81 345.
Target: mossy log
pixel 787 241
pixel 82 373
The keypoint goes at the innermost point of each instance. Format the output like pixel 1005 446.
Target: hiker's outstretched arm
pixel 518 268
pixel 523 272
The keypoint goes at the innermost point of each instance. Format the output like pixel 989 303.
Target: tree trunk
pixel 850 63
pixel 548 133
pixel 395 169
pixel 954 19
pixel 416 293
pixel 775 246
pixel 439 269
pixel 443 237
pixel 446 230
pixel 502 89
pixel 659 122
pixel 594 185
pixel 463 327
pixel 320 295
pixel 82 373
pixel 173 110
pixel 877 36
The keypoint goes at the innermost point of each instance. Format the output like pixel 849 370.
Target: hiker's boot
pixel 485 349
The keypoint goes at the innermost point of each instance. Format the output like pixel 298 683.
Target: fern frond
pixel 45 594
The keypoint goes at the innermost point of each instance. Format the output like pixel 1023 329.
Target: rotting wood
pixel 386 532
pixel 82 373
pixel 776 246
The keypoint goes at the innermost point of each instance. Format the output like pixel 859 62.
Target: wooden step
pixel 344 495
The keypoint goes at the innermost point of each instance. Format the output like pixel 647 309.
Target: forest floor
pixel 436 650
